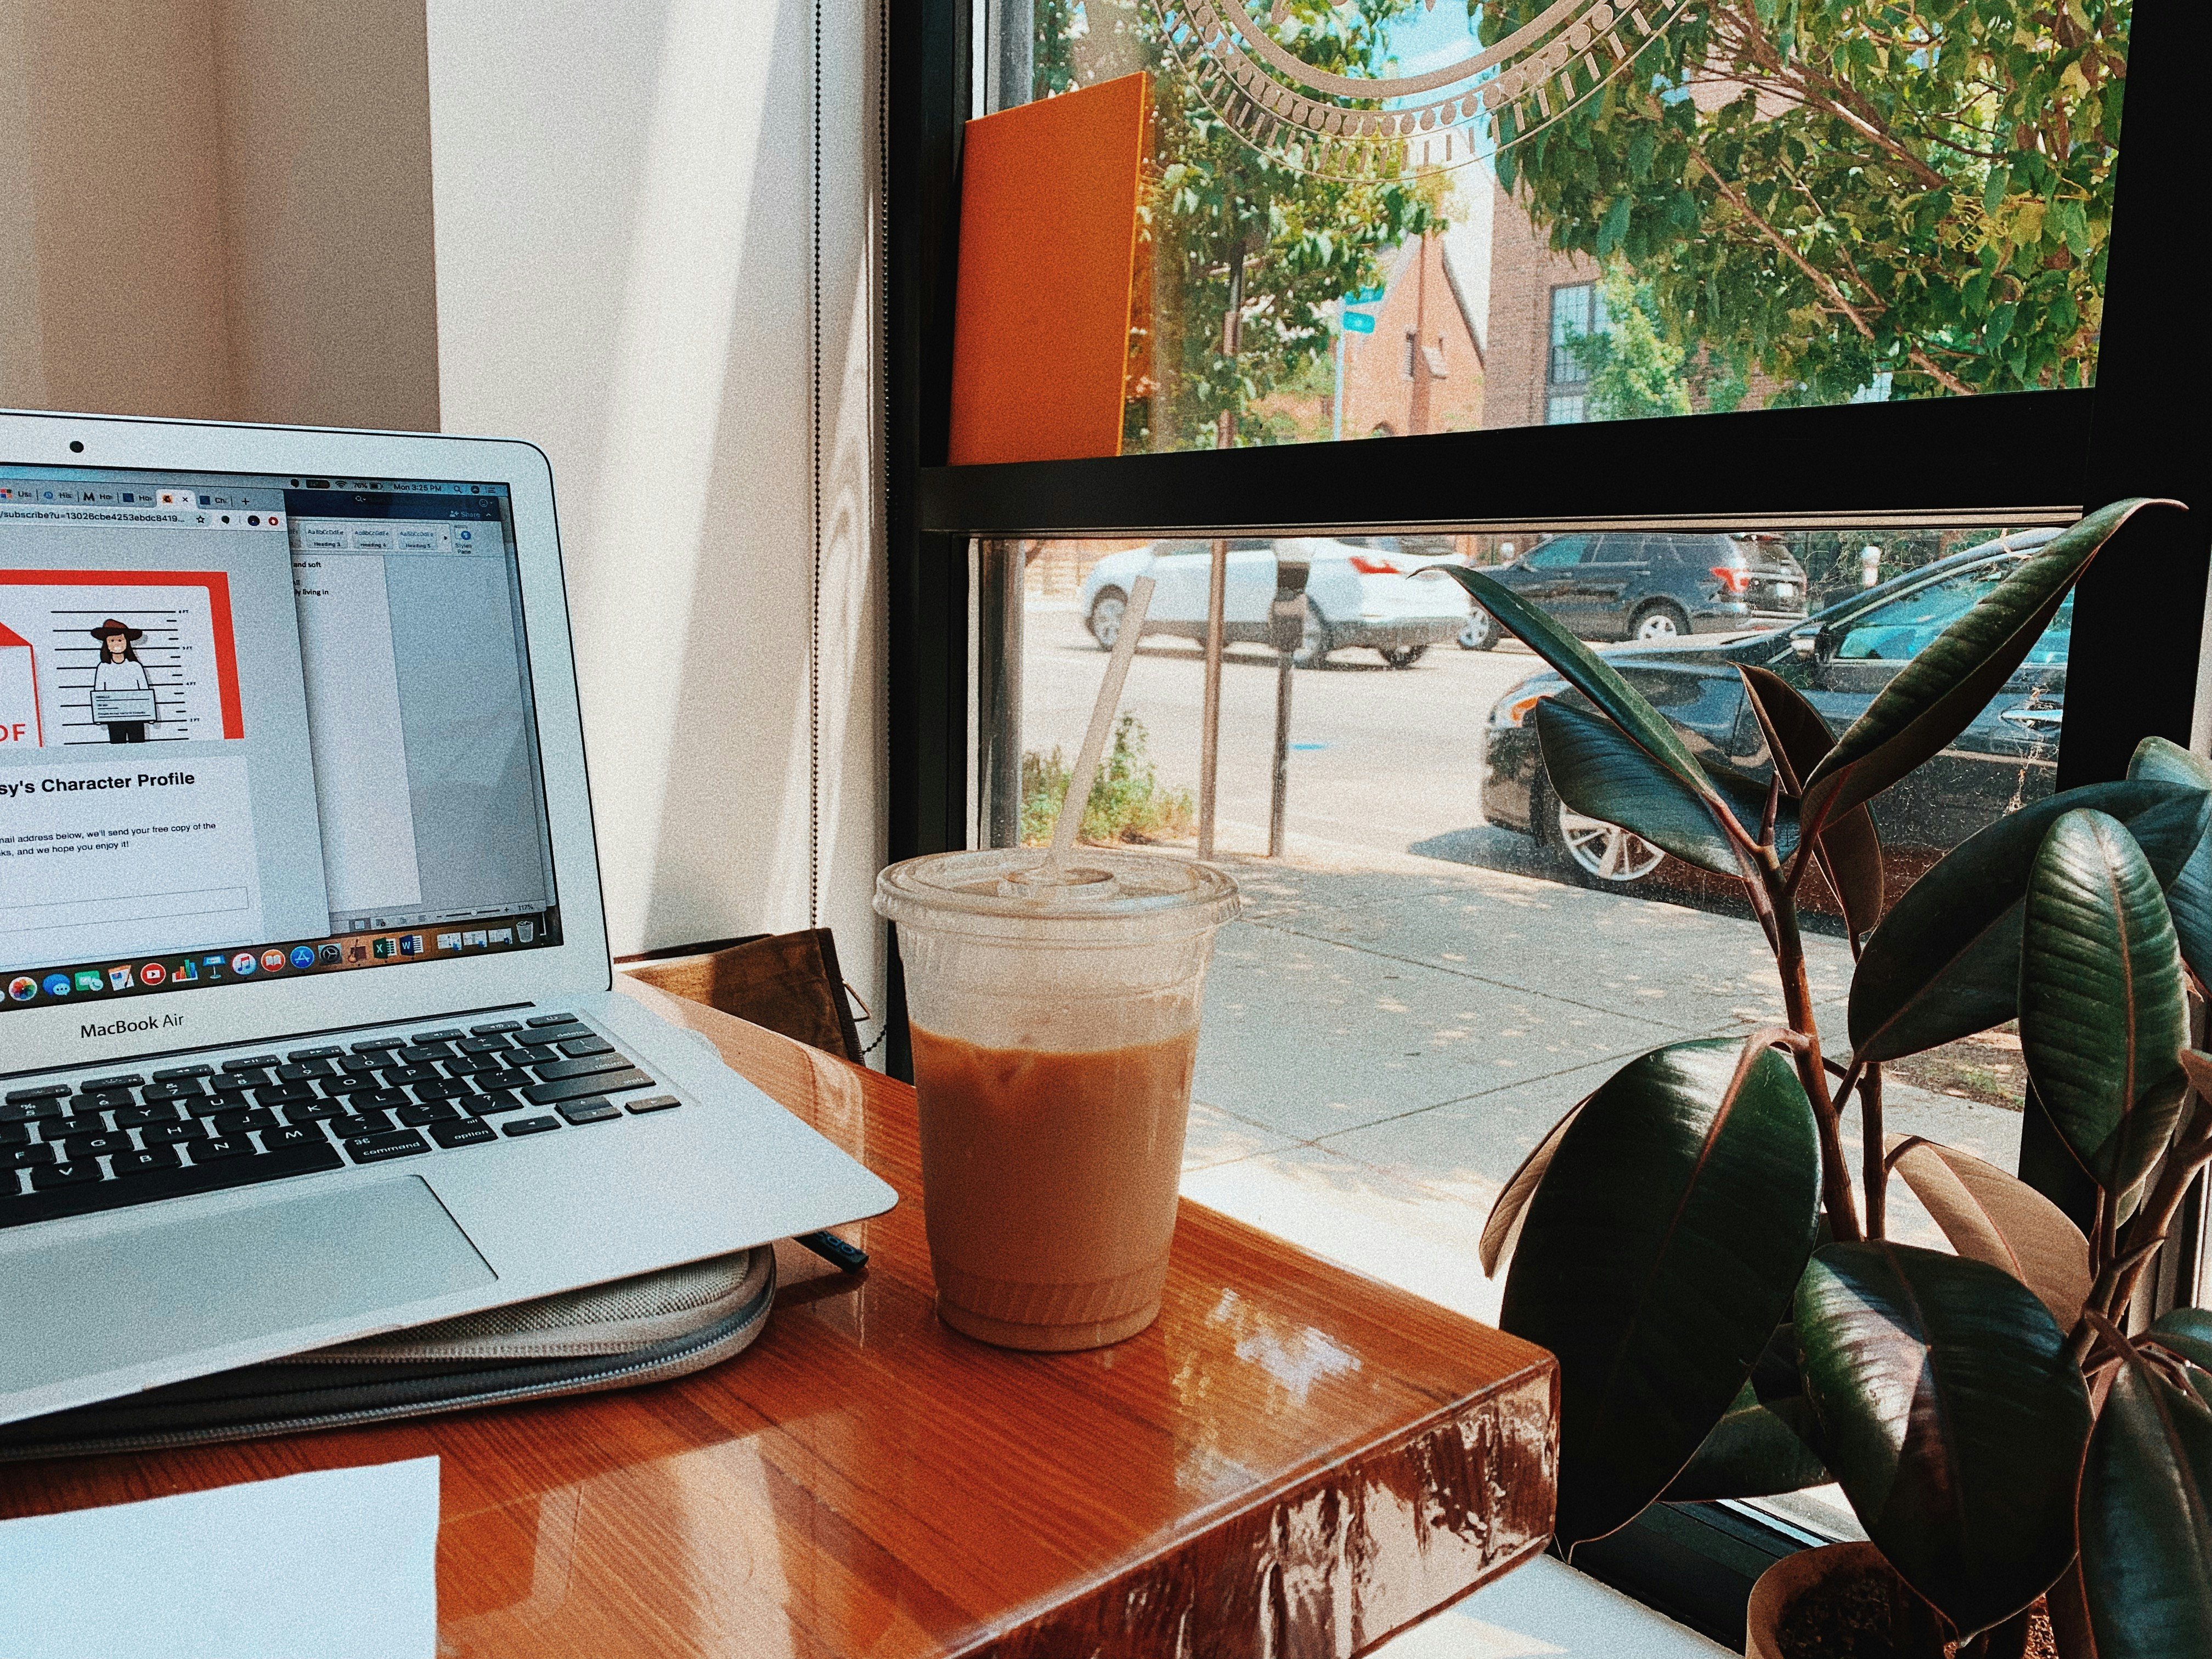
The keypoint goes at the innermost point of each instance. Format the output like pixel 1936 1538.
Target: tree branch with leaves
pixel 1828 191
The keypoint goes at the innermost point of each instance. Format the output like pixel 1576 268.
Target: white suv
pixel 1359 592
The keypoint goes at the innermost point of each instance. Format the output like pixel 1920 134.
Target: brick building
pixel 1539 299
pixel 1422 368
pixel 1534 294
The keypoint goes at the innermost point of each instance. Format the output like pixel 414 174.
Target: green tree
pixel 1634 369
pixel 1221 218
pixel 1832 189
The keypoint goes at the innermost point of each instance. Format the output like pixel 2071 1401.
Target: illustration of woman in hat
pixel 120 670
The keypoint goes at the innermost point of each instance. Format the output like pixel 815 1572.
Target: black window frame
pixel 2132 670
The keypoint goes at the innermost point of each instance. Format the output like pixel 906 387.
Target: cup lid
pixel 1133 895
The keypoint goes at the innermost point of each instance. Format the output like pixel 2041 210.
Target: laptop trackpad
pixel 173 1288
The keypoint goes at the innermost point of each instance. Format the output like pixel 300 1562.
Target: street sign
pixel 1366 296
pixel 1359 322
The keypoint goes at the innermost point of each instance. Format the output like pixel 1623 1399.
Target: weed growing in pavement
pixel 1127 801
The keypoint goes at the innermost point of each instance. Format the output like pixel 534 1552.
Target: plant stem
pixel 1872 1152
pixel 2188 1155
pixel 1778 912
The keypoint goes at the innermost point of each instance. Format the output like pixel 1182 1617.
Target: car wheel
pixel 1662 621
pixel 1106 613
pixel 1596 853
pixel 1314 645
pixel 1480 632
pixel 1401 656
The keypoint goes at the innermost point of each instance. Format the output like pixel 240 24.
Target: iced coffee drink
pixel 1055 1030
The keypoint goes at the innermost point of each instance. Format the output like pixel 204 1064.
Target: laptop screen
pixel 257 727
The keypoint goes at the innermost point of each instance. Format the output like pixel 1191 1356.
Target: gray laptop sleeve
pixel 647 1329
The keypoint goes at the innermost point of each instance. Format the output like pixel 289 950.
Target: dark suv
pixel 1652 585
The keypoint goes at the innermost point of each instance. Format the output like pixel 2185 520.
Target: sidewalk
pixel 1387 1036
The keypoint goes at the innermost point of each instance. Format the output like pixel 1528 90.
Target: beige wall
pixel 111 189
pixel 329 264
pixel 624 240
pixel 217 208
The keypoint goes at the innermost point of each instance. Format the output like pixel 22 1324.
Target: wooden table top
pixel 1294 1460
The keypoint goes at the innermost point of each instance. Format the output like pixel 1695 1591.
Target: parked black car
pixel 1840 658
pixel 1651 585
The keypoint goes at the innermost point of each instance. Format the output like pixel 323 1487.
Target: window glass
pixel 1558 553
pixel 1447 958
pixel 1897 632
pixel 1848 203
pixel 1577 313
pixel 2050 649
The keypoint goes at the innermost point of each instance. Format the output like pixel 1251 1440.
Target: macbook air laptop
pixel 306 1025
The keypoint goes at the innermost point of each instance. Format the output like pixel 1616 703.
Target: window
pixel 1730 212
pixel 1578 318
pixel 1558 553
pixel 1577 312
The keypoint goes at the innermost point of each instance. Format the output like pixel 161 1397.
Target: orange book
pixel 1049 197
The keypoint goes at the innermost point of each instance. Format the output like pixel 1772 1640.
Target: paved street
pixel 1380 758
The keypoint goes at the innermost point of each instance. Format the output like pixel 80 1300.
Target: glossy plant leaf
pixel 2146 1520
pixel 1936 695
pixel 1587 673
pixel 2103 1018
pixel 2189 895
pixel 1945 962
pixel 1599 772
pixel 1758 1448
pixel 1659 1253
pixel 2188 1333
pixel 1951 1417
pixel 1797 738
pixel 1993 1216
pixel 1502 1228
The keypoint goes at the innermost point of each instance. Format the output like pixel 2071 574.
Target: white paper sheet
pixel 340 1564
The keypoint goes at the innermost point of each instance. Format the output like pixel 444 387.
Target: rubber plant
pixel 1695 1244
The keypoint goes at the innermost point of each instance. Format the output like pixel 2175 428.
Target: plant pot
pixel 1874 1602
pixel 1795 1584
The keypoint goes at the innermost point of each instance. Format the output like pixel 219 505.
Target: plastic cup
pixel 1054 1031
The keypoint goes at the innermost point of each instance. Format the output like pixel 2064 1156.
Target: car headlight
pixel 1515 710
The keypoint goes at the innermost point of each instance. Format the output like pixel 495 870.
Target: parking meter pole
pixel 1209 738
pixel 1282 782
pixel 1286 629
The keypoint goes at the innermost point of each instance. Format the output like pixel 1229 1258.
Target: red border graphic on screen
pixel 11 641
pixel 218 592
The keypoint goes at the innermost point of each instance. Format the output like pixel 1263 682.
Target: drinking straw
pixel 1054 867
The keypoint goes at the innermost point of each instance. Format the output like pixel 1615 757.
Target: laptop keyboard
pixel 104 1141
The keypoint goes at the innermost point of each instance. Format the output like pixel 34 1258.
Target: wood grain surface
pixel 1293 1460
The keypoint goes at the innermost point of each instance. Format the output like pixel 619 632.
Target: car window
pixel 1901 630
pixel 1625 550
pixel 2049 648
pixel 1558 553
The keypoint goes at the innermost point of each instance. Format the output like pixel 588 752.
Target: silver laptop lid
pixel 288 736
